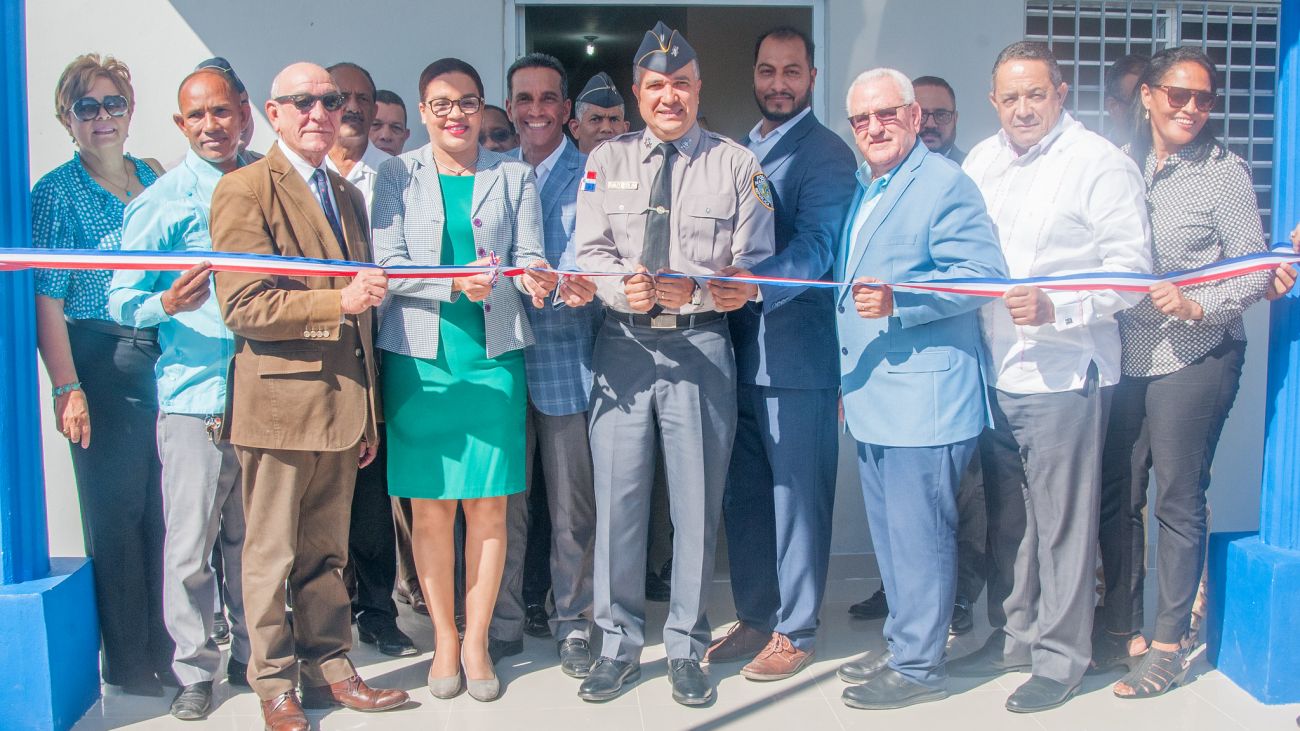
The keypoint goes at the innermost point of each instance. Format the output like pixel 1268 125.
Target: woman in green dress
pixel 453 368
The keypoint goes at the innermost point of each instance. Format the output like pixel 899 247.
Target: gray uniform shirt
pixel 721 210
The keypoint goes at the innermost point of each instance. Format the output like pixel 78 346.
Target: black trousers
pixel 119 487
pixel 1170 423
pixel 372 543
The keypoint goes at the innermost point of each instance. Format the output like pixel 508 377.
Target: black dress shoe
pixel 536 622
pixel 890 689
pixel 606 680
pixel 500 649
pixel 1040 694
pixel 193 701
pixel 387 638
pixel 874 607
pixel 575 657
pixel 237 673
pixel 691 687
pixel 656 589
pixel 962 620
pixel 986 662
pixel 866 667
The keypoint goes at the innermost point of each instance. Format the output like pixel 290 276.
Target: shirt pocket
pixel 708 221
pixel 625 210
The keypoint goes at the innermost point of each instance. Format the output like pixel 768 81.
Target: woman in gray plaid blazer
pixel 453 368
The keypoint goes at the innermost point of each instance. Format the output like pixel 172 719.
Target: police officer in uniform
pixel 598 113
pixel 661 205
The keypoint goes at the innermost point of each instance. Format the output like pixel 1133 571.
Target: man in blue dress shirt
pixel 781 485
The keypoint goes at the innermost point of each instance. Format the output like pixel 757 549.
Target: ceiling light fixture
pixel 591 45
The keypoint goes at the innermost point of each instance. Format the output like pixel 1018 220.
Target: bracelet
pixel 66 388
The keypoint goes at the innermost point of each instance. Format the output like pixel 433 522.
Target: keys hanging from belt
pixel 212 425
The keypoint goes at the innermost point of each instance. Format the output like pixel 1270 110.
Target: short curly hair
pixel 81 74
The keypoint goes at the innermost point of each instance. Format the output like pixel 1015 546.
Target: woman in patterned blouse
pixel 102 374
pixel 1182 356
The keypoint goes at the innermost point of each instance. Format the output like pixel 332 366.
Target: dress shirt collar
pixel 544 168
pixel 1042 146
pixel 366 167
pixel 303 167
pixel 762 144
pixel 875 186
pixel 687 145
pixel 204 172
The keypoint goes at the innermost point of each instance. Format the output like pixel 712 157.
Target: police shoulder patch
pixel 762 190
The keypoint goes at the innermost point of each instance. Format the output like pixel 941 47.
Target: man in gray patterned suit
pixel 660 205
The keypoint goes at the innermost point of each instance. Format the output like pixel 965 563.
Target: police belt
pixel 667 321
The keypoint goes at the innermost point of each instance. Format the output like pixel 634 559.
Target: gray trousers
pixel 681 384
pixel 202 504
pixel 1042 482
pixel 565 452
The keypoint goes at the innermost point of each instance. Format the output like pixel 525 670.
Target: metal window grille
pixel 1240 37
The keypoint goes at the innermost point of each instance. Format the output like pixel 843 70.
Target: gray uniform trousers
pixel 202 504
pixel 682 384
pixel 1042 481
pixel 561 442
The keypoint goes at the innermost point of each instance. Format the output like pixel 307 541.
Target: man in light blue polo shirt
pixel 200 477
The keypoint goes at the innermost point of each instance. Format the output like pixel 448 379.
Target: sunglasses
pixel 442 107
pixel 332 101
pixel 87 108
pixel 499 135
pixel 885 117
pixel 1178 97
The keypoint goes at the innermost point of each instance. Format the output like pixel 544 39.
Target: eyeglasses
pixel 442 107
pixel 941 116
pixel 885 117
pixel 332 101
pixel 499 135
pixel 1178 97
pixel 87 108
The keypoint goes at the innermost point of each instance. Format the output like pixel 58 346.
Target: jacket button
pixel 844 351
pixel 487 307
pixel 841 309
pixel 360 353
pixel 478 223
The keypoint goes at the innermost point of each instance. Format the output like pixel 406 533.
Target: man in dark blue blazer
pixel 781 486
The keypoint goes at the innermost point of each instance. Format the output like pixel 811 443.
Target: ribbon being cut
pixel 12 259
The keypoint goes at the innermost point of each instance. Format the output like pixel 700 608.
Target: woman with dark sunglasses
pixel 1183 349
pixel 102 375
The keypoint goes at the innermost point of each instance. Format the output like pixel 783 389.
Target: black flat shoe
pixel 536 622
pixel 193 702
pixel 890 689
pixel 962 621
pixel 1040 694
pixel 498 650
pixel 691 687
pixel 606 680
pixel 575 657
pixel 875 606
pixel 865 668
pixel 388 639
pixel 237 673
pixel 986 662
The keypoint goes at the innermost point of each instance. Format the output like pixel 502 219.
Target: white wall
pixel 161 41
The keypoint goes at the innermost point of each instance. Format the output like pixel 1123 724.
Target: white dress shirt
pixel 364 172
pixel 1071 203
pixel 543 169
pixel 306 170
pixel 761 144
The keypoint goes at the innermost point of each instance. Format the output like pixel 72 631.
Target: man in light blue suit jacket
pixel 911 371
pixel 781 485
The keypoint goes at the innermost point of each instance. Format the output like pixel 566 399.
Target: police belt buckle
pixel 663 322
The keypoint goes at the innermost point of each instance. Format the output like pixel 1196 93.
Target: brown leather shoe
pixel 353 693
pixel 742 642
pixel 777 661
pixel 284 713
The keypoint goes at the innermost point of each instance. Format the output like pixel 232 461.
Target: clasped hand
pixel 644 290
pixel 873 298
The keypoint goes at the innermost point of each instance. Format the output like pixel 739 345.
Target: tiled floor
pixel 538 697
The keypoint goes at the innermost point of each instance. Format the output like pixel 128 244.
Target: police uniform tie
pixel 654 252
pixel 320 187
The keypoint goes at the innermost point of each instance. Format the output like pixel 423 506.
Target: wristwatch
pixel 697 294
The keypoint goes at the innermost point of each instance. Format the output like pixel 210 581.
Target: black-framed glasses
pixel 1178 97
pixel 940 116
pixel 469 105
pixel 499 135
pixel 333 101
pixel 87 108
pixel 886 117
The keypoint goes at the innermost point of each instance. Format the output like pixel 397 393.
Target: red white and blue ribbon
pixel 36 258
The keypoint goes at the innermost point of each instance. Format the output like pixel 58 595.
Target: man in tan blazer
pixel 301 409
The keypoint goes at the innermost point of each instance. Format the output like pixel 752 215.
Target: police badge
pixel 762 190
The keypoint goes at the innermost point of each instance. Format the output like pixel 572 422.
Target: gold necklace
pixel 453 170
pixel 108 184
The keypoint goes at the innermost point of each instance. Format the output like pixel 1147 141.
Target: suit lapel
pixel 894 191
pixel 317 241
pixel 785 147
pixel 563 176
pixel 487 178
pixel 426 175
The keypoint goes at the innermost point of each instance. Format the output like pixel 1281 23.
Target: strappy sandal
pixel 1110 651
pixel 1159 671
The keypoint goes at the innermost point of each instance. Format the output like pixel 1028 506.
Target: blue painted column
pixel 49 636
pixel 1255 577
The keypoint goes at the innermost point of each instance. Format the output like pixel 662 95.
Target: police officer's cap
pixel 600 92
pixel 664 50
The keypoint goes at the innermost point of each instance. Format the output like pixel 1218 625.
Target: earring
pixel 1146 114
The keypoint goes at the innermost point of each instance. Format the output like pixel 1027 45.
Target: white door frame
pixel 513 31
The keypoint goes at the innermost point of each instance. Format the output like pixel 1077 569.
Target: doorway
pixel 591 38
